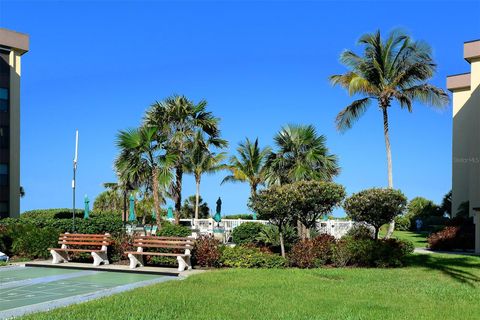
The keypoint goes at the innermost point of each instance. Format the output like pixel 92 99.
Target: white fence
pixel 336 228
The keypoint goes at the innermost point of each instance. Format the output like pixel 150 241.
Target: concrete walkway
pixel 428 251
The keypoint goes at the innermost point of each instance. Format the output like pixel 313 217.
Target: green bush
pixel 206 252
pixel 247 232
pixel 172 230
pixel 402 223
pixel 239 216
pixel 32 242
pixel 371 253
pixel 270 237
pixel 360 232
pixel 250 257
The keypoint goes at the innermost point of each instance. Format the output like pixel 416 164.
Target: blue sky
pixel 97 66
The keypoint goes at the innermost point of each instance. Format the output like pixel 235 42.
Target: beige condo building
pixel 12 46
pixel 465 89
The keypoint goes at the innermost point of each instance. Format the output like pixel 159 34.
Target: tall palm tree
pixel 392 69
pixel 302 155
pixel 249 165
pixel 142 162
pixel 201 160
pixel 177 119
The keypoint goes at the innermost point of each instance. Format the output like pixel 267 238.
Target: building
pixel 465 89
pixel 12 46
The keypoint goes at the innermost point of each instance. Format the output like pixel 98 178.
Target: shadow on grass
pixel 458 268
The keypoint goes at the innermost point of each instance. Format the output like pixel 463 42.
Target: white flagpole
pixel 74 173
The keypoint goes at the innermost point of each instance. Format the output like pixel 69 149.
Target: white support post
pixel 58 256
pixel 135 260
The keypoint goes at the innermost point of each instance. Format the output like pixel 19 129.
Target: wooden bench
pixel 82 243
pixel 143 243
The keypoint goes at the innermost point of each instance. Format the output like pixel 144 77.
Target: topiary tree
pixel 314 199
pixel 376 206
pixel 277 205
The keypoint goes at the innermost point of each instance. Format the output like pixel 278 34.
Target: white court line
pixel 28 282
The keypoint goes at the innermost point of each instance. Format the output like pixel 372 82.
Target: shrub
pixel 371 253
pixel 375 206
pixel 360 232
pixel 173 230
pixel 270 237
pixel 311 253
pixel 454 237
pixel 120 243
pixel 239 216
pixel 206 252
pixel 247 232
pixel 250 257
pixel 402 223
pixel 32 242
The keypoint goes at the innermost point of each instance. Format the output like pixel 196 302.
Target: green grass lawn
pixel 419 239
pixel 434 286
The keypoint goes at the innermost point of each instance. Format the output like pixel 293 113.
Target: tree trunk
pixel 178 192
pixel 156 200
pixel 282 246
pixel 197 196
pixel 377 230
pixel 391 226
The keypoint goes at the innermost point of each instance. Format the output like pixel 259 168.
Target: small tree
pixel 277 205
pixel 314 199
pixel 375 206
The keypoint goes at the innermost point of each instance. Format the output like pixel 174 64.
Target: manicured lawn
pixel 432 287
pixel 419 239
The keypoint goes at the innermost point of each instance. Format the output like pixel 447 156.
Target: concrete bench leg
pixel 135 261
pixel 183 263
pixel 99 257
pixel 59 256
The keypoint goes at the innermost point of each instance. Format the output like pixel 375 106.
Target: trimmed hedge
pixel 250 257
pixel 247 232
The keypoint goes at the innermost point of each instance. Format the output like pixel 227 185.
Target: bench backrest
pixel 144 242
pixel 79 239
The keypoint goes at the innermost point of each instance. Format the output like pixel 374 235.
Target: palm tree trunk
pixel 197 196
pixel 178 192
pixel 391 226
pixel 156 199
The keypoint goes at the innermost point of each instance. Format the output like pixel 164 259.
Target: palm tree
pixel 177 120
pixel 392 69
pixel 302 155
pixel 249 166
pixel 201 160
pixel 142 162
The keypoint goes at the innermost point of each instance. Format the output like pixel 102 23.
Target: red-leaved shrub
pixel 206 252
pixel 450 238
pixel 311 253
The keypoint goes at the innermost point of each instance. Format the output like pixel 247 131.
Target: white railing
pixel 336 228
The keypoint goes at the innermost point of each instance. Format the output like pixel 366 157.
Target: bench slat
pixel 82 235
pixel 84 243
pixel 162 242
pixel 158 254
pixel 77 250
pixel 162 246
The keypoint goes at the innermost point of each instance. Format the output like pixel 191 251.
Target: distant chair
pixel 154 230
pixel 148 229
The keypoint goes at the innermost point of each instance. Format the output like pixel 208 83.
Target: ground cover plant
pixel 431 287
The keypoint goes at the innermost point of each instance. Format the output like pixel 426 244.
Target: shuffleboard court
pixel 25 290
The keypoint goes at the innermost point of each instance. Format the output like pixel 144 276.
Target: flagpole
pixel 74 176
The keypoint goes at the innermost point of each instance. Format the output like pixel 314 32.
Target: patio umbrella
pixel 154 215
pixel 87 208
pixel 218 212
pixel 254 216
pixel 170 213
pixel 131 216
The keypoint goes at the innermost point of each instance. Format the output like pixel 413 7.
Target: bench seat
pixel 143 243
pixel 82 240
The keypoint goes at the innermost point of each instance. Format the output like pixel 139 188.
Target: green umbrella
pixel 154 215
pixel 87 208
pixel 218 212
pixel 254 216
pixel 132 217
pixel 170 213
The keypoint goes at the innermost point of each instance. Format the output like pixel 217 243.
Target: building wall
pixel 12 46
pixel 466 139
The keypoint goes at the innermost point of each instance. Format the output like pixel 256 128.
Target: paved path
pixel 428 251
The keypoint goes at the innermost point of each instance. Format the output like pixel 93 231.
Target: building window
pixel 3 99
pixel 3 174
pixel 4 137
